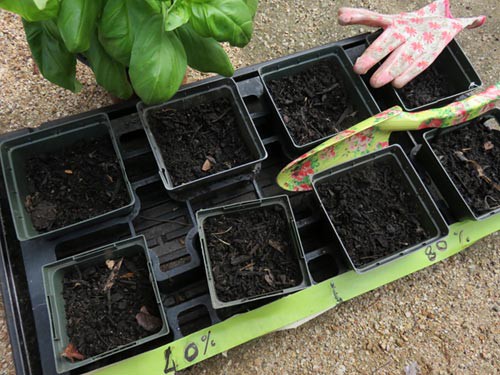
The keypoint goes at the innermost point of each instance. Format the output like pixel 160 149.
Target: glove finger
pixel 418 66
pixel 380 48
pixel 438 8
pixel 442 8
pixel 358 16
pixel 471 22
pixel 396 63
pixel 413 70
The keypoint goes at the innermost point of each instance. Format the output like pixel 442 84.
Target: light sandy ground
pixel 444 319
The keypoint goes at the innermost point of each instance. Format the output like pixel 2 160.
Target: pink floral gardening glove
pixel 417 39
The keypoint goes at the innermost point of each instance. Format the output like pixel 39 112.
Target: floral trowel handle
pixel 373 134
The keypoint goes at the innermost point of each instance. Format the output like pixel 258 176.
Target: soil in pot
pixel 471 156
pixel 109 305
pixel 200 140
pixel 74 184
pixel 426 88
pixel 314 102
pixel 374 211
pixel 251 253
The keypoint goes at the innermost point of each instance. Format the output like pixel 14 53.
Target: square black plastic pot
pixel 432 219
pixel 362 100
pixel 453 64
pixel 223 88
pixel 53 276
pixel 281 201
pixel 454 199
pixel 14 153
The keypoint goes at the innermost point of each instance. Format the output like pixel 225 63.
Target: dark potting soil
pixel 374 211
pixel 251 253
pixel 79 182
pixel 314 102
pixel 98 321
pixel 427 87
pixel 200 140
pixel 471 156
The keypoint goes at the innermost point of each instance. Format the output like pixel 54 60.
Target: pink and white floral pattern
pixel 414 40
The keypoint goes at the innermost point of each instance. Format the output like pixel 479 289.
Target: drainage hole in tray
pixel 194 319
pixel 141 166
pixel 323 267
pixel 171 253
pixel 314 235
pixel 302 205
pixel 169 265
pixel 190 289
pixel 134 141
pixel 264 127
pixel 253 104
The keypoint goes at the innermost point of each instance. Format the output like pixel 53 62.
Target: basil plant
pixel 141 46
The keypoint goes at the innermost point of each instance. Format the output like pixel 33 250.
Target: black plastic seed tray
pixel 169 227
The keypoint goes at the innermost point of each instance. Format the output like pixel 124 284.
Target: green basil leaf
pixel 32 10
pixel 225 20
pixel 120 22
pixel 76 22
pixel 155 5
pixel 204 54
pixel 158 62
pixel 55 62
pixel 108 73
pixel 41 4
pixel 177 15
pixel 252 5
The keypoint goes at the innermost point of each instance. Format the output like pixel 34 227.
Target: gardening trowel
pixel 373 134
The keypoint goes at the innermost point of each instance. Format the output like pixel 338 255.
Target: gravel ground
pixel 445 319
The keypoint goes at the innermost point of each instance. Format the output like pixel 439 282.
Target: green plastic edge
pixel 309 302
